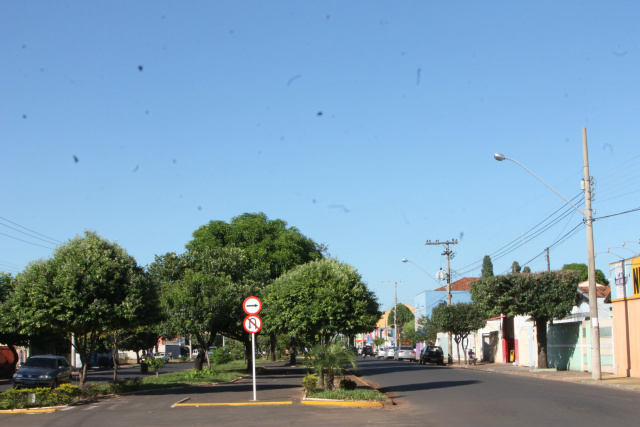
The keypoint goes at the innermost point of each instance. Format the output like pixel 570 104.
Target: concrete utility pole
pixel 395 310
pixel 591 267
pixel 449 255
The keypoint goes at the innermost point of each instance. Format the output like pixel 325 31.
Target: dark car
pixel 43 371
pixel 432 354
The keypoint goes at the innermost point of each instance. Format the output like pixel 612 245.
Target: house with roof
pixel 514 339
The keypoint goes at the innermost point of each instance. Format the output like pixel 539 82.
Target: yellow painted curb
pixel 340 403
pixel 26 411
pixel 197 405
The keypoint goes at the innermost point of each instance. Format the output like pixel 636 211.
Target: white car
pixel 390 353
pixel 406 352
pixel 382 352
pixel 164 356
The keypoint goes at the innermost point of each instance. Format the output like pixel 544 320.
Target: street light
pixel 588 218
pixel 423 270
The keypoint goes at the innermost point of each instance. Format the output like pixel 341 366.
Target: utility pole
pixel 593 298
pixel 548 261
pixel 449 255
pixel 395 310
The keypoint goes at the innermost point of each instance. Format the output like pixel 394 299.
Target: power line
pixel 51 240
pixel 26 241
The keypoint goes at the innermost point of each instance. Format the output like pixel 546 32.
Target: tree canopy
pixel 487 267
pixel 91 286
pixel 459 319
pixel 583 269
pixel 320 299
pixel 405 314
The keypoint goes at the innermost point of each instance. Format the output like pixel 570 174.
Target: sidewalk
pixel 608 380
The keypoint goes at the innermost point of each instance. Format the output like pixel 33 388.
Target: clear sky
pixel 368 125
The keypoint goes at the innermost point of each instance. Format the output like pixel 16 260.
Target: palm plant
pixel 330 359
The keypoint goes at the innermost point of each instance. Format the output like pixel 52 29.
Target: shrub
pixel 155 363
pixel 26 398
pixel 68 393
pixel 126 385
pixel 347 384
pixel 310 383
pixel 220 357
pixel 205 373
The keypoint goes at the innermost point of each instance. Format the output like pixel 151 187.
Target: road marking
pixel 27 411
pixel 197 405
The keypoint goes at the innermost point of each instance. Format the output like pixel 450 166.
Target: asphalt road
pixel 425 396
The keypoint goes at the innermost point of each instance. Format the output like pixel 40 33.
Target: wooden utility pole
pixel 449 254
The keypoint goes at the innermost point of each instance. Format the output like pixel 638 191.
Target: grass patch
pixel 358 394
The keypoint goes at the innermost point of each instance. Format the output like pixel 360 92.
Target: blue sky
pixel 368 125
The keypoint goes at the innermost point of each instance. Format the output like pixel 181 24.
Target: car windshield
pixel 40 363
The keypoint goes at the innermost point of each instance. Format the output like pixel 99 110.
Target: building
pixel 625 302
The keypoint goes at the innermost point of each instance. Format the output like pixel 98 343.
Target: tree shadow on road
pixel 427 386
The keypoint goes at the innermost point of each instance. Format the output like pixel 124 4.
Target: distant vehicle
pixel 406 352
pixel 212 350
pixel 161 355
pixel 43 371
pixel 367 350
pixel 432 354
pixel 195 352
pixel 382 352
pixel 390 353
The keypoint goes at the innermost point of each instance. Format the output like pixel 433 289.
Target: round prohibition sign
pixel 252 324
pixel 252 305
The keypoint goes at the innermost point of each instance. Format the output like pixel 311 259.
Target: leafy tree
pixel 425 332
pixel 320 299
pixel 405 315
pixel 543 296
pixel 526 269
pixel 378 341
pixel 583 269
pixel 203 291
pixel 269 245
pixel 8 322
pixel 515 267
pixel 89 288
pixel 460 319
pixel 487 267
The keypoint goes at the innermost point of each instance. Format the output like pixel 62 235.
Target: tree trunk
pixel 321 378
pixel 199 361
pixel 292 352
pixel 541 335
pixel 16 359
pixel 114 356
pixel 273 342
pixel 249 353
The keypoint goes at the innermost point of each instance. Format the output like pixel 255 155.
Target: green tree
pixel 543 296
pixel 203 291
pixel 8 321
pixel 583 269
pixel 425 331
pixel 320 299
pixel 405 314
pixel 515 267
pixel 89 288
pixel 487 267
pixel 526 269
pixel 378 341
pixel 460 319
pixel 225 263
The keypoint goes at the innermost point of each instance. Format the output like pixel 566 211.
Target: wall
pixel 625 299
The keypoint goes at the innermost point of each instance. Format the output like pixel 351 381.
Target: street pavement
pixel 278 402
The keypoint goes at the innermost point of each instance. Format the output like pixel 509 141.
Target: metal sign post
pixel 252 324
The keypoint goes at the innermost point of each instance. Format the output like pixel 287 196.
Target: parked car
pixel 406 352
pixel 367 350
pixel 43 371
pixel 390 353
pixel 164 356
pixel 382 352
pixel 432 354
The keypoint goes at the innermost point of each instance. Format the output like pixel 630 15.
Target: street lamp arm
pixel 499 157
pixel 423 270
